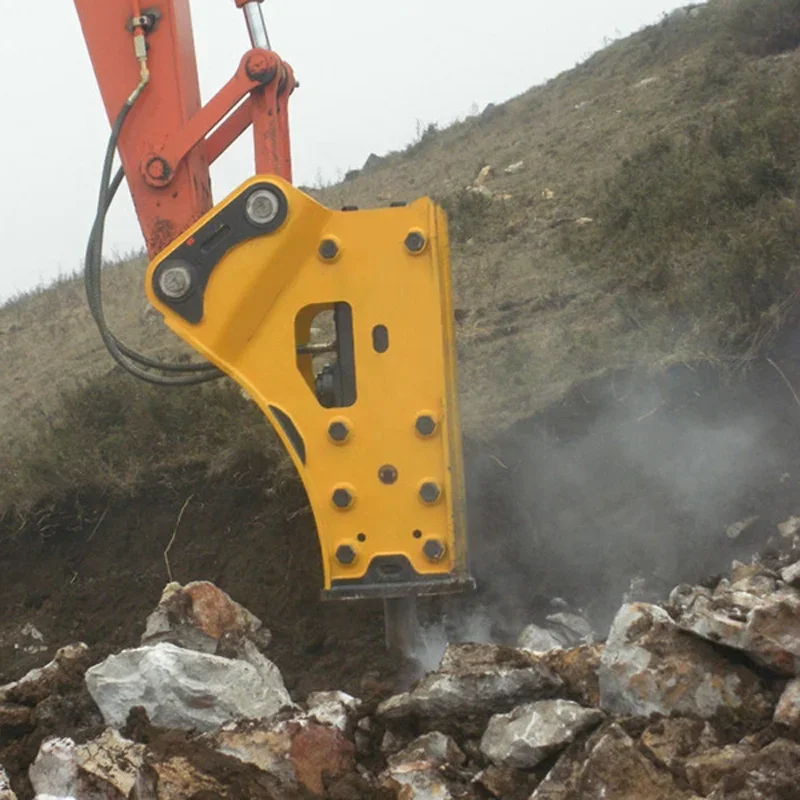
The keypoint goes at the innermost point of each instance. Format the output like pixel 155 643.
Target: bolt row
pixel 339 430
pixel 330 247
pixel 433 549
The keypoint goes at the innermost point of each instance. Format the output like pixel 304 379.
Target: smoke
pixel 604 489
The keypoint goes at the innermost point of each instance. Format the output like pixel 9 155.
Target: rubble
pixel 751 614
pixel 774 772
pixel 532 732
pixel 39 683
pixel 5 786
pixel 414 773
pixel 707 770
pixel 573 629
pixel 474 679
pixel 650 666
pixel 199 616
pixel 607 765
pixel 669 741
pixel 185 689
pixel 787 712
pixel 791 574
pixel 332 708
pixel 108 766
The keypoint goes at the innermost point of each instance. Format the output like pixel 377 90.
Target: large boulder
pixel 532 732
pixel 186 689
pixel 650 666
pixel 474 680
pixel 750 615
pixel 200 616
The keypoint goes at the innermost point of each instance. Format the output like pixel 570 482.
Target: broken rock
pixel 774 772
pixel 199 616
pixel 109 766
pixel 5 786
pixel 671 740
pixel 532 732
pixel 66 668
pixel 185 689
pixel 750 615
pixel 608 765
pixel 297 752
pixel 706 771
pixel 791 574
pixel 332 708
pixel 415 771
pixel 574 629
pixel 787 711
pixel 578 669
pixel 538 640
pixel 650 666
pixel 474 679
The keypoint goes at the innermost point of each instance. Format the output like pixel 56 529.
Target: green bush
pixel 765 27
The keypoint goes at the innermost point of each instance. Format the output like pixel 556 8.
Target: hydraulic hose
pixel 141 366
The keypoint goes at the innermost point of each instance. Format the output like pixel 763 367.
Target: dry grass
pixel 679 143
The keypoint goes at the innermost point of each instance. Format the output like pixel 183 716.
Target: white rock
pixel 55 770
pixel 791 574
pixel 414 771
pixel 532 732
pixel 331 708
pixel 787 711
pixel 538 640
pixel 789 527
pixel 185 689
pixel 574 629
pixel 513 169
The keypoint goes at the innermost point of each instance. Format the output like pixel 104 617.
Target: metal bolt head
pixel 434 549
pixel 429 492
pixel 175 282
pixel 345 554
pixel 338 431
pixel 425 425
pixel 328 249
pixel 342 498
pixel 262 207
pixel 415 242
pixel 387 474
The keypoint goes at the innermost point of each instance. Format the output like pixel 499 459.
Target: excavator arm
pixel 338 323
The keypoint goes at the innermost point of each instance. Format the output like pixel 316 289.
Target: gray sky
pixel 420 60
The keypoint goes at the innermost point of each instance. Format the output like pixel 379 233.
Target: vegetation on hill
pixel 654 220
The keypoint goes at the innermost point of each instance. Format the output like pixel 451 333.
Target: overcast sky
pixel 369 72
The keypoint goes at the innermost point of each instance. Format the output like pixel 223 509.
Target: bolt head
pixel 262 207
pixel 415 242
pixel 345 554
pixel 342 498
pixel 175 282
pixel 429 492
pixel 338 431
pixel 425 425
pixel 434 549
pixel 387 474
pixel 328 249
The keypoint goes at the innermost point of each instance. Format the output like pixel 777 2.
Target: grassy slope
pixel 678 142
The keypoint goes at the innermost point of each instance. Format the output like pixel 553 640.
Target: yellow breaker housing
pixel 374 433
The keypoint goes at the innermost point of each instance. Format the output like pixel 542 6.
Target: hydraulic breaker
pixel 369 415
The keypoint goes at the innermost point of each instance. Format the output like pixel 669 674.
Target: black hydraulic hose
pixel 130 360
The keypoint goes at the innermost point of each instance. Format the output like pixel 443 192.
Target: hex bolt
pixel 175 282
pixel 434 549
pixel 262 207
pixel 345 554
pixel 338 431
pixel 342 498
pixel 328 249
pixel 425 425
pixel 415 242
pixel 387 474
pixel 429 492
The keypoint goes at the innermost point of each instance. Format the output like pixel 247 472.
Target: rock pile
pixel 698 697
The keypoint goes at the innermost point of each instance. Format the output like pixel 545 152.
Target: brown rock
pixel 578 669
pixel 669 742
pixel 200 616
pixel 506 782
pixel 771 774
pixel 320 753
pixel 706 771
pixel 63 672
pixel 607 765
pixel 13 716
